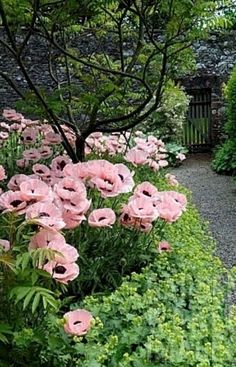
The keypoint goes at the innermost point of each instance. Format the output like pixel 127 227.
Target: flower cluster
pixel 39 140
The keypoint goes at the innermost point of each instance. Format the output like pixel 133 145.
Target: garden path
pixel 215 197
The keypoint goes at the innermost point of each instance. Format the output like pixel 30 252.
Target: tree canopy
pixel 135 47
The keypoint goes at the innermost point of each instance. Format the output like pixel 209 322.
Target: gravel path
pixel 215 197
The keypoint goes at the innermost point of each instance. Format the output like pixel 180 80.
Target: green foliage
pixel 225 156
pixel 167 122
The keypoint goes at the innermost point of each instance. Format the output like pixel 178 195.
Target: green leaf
pixel 35 302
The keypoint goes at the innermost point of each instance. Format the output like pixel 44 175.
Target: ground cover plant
pixel 104 262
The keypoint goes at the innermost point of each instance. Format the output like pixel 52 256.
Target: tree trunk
pixel 80 148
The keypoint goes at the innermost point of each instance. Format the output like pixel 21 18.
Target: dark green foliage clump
pixel 225 156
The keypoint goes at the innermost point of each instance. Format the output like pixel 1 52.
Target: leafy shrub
pixel 167 122
pixel 225 156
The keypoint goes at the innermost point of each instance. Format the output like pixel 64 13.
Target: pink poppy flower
pixel 41 170
pixel 163 163
pixel 153 165
pixel 45 152
pixel 179 199
pixel 15 181
pixel 22 163
pixel 146 189
pixel 141 224
pixel 69 188
pixel 78 170
pixel 44 237
pixel 168 209
pixel 32 154
pixel 46 215
pixel 29 135
pixel 12 115
pixel 52 138
pixel 171 179
pixel 104 217
pixel 2 173
pixel 35 189
pixel 77 205
pixel 5 126
pixel 164 246
pixel 77 322
pixel 4 135
pixel 142 208
pixel 68 253
pixel 71 219
pixel 5 245
pixel 137 157
pixel 181 156
pixel 12 201
pixel 62 273
pixel 32 123
pixel 16 127
pixel 126 177
pixel 105 178
pixel 58 165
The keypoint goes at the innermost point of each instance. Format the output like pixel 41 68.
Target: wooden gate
pixel 197 129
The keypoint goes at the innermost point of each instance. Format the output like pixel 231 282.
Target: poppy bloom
pixel 142 208
pixel 104 217
pixel 45 152
pixel 168 209
pixel 181 156
pixel 164 246
pixel 5 245
pixel 15 181
pixel 78 170
pixel 12 115
pixel 46 215
pixel 44 237
pixel 153 165
pixel 126 177
pixel 72 220
pixel 2 173
pixel 171 179
pixel 62 273
pixel 12 201
pixel 32 154
pixel 69 188
pixel 22 163
pixel 146 189
pixel 163 163
pixel 137 157
pixel 35 189
pixel 41 170
pixel 179 198
pixel 29 135
pixel 4 135
pixel 5 126
pixel 52 138
pixel 66 253
pixel 105 177
pixel 58 165
pixel 77 322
